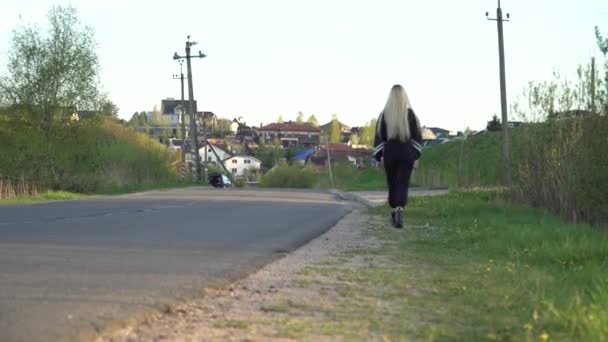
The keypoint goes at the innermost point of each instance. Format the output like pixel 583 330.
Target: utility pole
pixel 196 170
pixel 503 96
pixel 182 119
pixel 331 174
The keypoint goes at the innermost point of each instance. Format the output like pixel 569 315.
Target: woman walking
pixel 398 141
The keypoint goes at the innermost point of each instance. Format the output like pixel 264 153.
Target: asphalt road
pixel 70 268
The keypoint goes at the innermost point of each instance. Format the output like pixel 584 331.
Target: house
pixel 440 132
pixel 211 157
pixel 428 134
pixel 291 134
pixel 171 110
pixel 234 145
pixel 241 165
pixel 345 130
pixel 343 127
pixel 221 143
pixel 340 153
pixel 246 133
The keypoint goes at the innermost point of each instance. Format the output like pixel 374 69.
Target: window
pixel 234 161
pixel 247 161
pixel 234 170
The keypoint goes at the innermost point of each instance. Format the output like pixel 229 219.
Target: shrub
pixel 285 176
pixel 86 156
pixel 562 166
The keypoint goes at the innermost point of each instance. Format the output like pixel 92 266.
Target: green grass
pixel 487 270
pixel 348 178
pixel 130 188
pixel 45 197
pixel 117 190
pixel 467 267
pixel 345 176
pixel 480 165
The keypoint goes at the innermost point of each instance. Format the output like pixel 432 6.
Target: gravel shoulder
pixel 257 308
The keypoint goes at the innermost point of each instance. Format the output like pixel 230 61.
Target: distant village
pixel 246 150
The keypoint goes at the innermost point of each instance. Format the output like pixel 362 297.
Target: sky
pixel 271 58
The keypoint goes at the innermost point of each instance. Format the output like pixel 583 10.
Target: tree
pixel 494 125
pixel 602 43
pixel 312 119
pixel 368 133
pixel 335 132
pixel 300 118
pixel 223 127
pixel 108 108
pixel 280 119
pixel 52 74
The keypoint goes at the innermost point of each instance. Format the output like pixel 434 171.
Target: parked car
pixel 218 180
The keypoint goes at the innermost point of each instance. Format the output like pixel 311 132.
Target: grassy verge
pixel 493 271
pixel 348 178
pixel 468 267
pixel 345 177
pixel 117 190
pixel 44 197
pixel 130 188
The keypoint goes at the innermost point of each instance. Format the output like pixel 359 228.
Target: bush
pixel 562 166
pixel 475 161
pixel 86 156
pixel 349 178
pixel 286 176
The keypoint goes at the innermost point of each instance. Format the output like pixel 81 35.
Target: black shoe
pixel 393 218
pixel 398 221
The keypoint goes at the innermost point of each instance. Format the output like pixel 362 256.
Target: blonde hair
pixel 396 114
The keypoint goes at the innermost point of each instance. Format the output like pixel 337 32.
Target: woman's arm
pixel 415 131
pixel 380 138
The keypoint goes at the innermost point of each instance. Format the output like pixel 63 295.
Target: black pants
pixel 398 174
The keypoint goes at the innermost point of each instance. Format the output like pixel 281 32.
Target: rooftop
pixel 290 126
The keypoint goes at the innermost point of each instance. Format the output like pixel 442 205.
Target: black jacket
pixel 395 149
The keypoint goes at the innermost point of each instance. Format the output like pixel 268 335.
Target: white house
pixel 239 164
pixel 211 158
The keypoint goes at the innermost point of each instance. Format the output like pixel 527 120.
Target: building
pixel 291 134
pixel 345 130
pixel 211 157
pixel 241 165
pixel 439 132
pixel 171 110
pixel 340 153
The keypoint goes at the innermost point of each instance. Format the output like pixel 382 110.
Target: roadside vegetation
pixel 467 267
pixel 345 177
pixel 58 130
pixel 557 155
